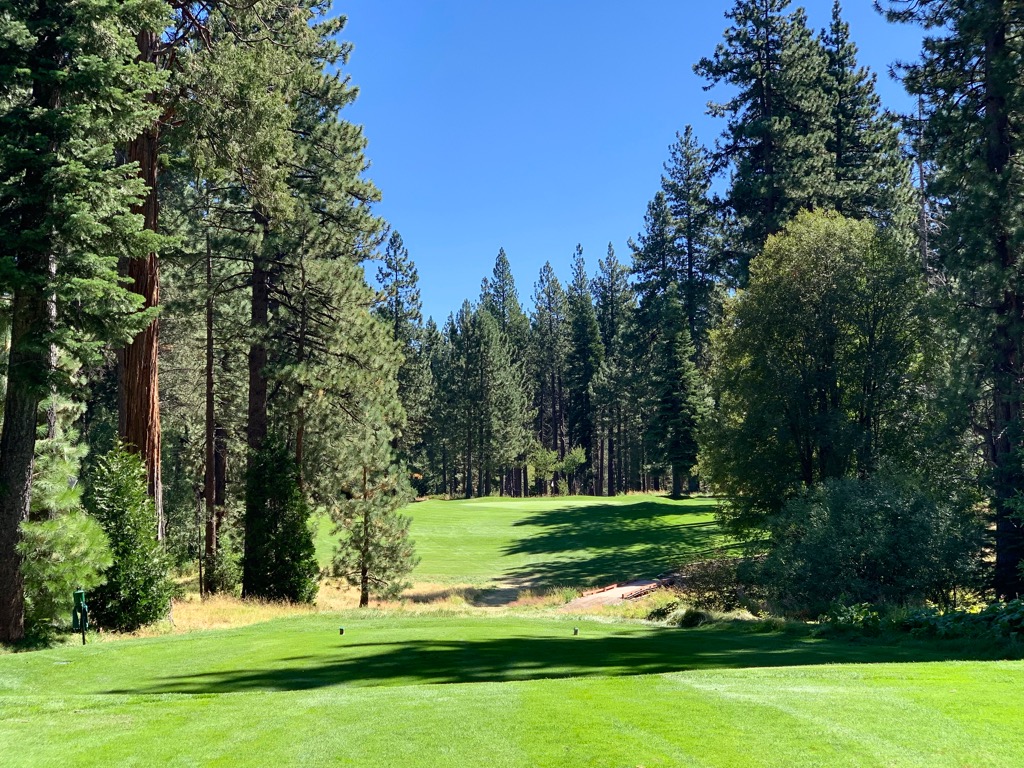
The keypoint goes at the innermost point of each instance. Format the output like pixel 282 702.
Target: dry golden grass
pixel 190 613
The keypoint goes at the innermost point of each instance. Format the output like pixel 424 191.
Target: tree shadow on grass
pixel 603 543
pixel 526 657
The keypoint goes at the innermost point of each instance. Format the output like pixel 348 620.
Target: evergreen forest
pixel 217 378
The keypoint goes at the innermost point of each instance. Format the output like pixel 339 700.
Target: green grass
pixel 507 690
pixel 546 542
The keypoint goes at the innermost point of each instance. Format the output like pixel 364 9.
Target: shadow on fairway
pixel 603 543
pixel 523 657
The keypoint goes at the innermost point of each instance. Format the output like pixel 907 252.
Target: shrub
pixel 885 539
pixel 996 621
pixel 138 590
pixel 716 584
pixel 280 555
pixel 860 617
pixel 662 612
pixel 689 617
pixel 58 557
pixel 224 569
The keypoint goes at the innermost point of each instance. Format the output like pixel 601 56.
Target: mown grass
pixel 440 683
pixel 550 542
pixel 507 689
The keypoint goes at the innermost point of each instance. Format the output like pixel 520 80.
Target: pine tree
pixel 401 309
pixel 501 299
pixel 687 187
pixel 656 261
pixel 615 308
pixel 550 346
pixel 503 402
pixel 583 361
pixel 870 174
pixel 775 142
pixel 971 84
pixel 399 282
pixel 65 216
pixel 677 393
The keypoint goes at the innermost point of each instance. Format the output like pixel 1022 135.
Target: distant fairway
pixel 504 690
pixel 561 541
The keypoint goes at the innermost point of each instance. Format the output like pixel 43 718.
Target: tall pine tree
pixel 971 85
pixel 776 140
pixel 65 216
pixel 583 361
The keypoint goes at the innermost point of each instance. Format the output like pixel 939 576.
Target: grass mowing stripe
pixel 545 542
pixel 692 718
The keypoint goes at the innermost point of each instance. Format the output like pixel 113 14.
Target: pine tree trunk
pixel 26 385
pixel 256 428
pixel 1006 342
pixel 139 389
pixel 677 481
pixel 620 468
pixel 364 555
pixel 220 473
pixel 611 461
pixel 28 363
pixel 209 479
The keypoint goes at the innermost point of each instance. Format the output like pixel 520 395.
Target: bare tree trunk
pixel 139 407
pixel 1006 342
pixel 26 386
pixel 220 475
pixel 209 479
pixel 256 429
pixel 611 461
pixel 300 416
pixel 677 481
pixel 364 559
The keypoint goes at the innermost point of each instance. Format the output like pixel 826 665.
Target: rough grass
pixel 503 689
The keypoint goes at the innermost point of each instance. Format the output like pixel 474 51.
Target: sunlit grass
pixel 500 688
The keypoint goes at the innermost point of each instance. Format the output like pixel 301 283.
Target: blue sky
pixel 534 125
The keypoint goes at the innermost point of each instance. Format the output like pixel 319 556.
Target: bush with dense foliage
pixel 280 556
pixel 818 367
pixel 59 556
pixel 884 539
pixel 224 568
pixel 718 584
pixel 998 620
pixel 138 589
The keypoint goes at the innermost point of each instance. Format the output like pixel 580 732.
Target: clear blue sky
pixel 537 125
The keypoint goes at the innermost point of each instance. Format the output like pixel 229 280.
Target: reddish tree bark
pixel 139 390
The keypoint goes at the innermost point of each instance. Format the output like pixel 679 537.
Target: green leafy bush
pixel 997 621
pixel 224 569
pixel 882 540
pixel 58 557
pixel 718 584
pixel 137 590
pixel 861 617
pixel 280 556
